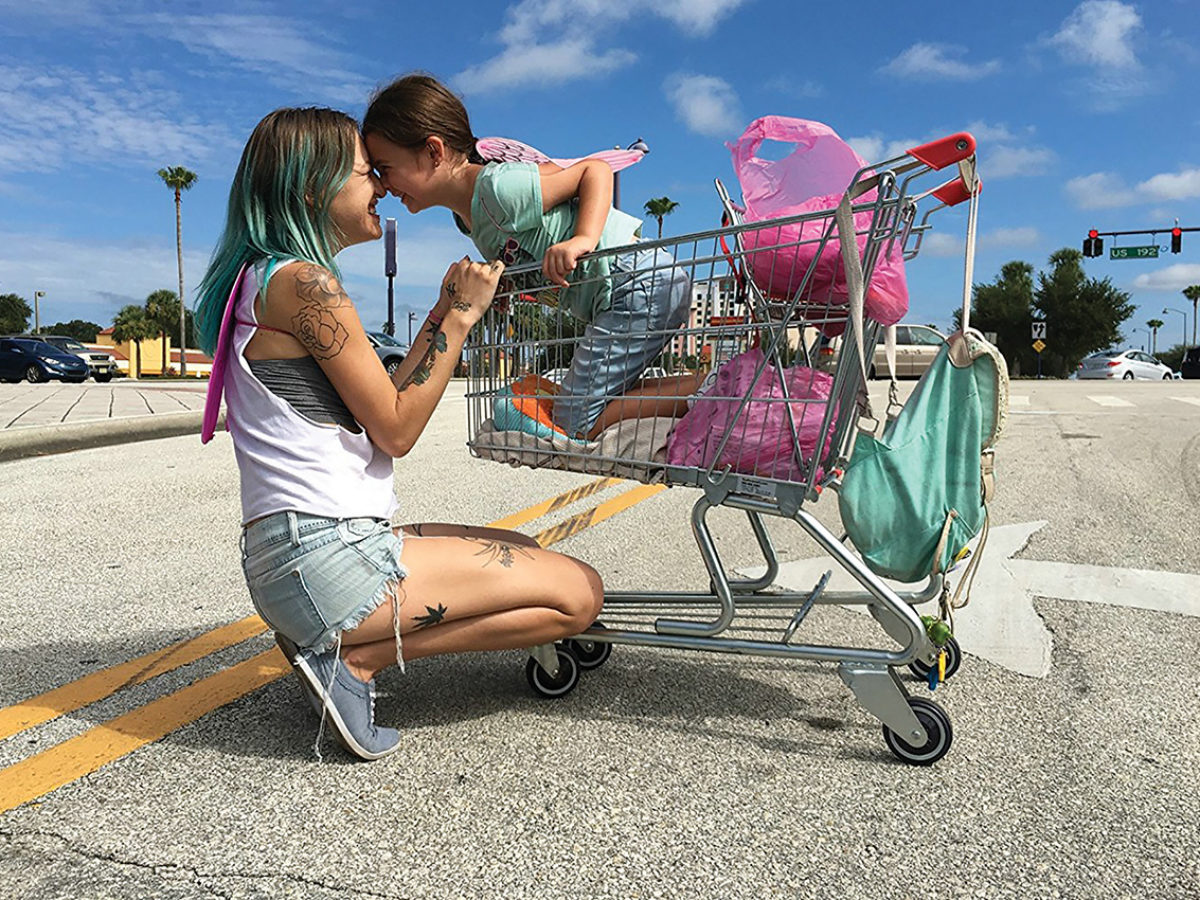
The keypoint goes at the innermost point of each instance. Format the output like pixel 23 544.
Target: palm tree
pixel 132 325
pixel 1192 292
pixel 162 311
pixel 179 179
pixel 659 207
pixel 1154 325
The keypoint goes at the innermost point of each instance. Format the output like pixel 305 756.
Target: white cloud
pixel 1100 190
pixel 545 63
pixel 1171 185
pixel 803 89
pixel 940 244
pixel 554 41
pixel 271 46
pixel 705 103
pixel 1104 190
pixel 1172 278
pixel 1100 33
pixel 58 115
pixel 1005 161
pixel 874 148
pixel 938 61
pixel 102 276
pixel 1024 236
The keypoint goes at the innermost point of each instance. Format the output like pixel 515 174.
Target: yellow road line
pixel 554 503
pixel 101 684
pixel 85 753
pixel 605 510
pixel 98 685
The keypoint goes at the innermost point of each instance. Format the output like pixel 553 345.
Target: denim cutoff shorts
pixel 312 577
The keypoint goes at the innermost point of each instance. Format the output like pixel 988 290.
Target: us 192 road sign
pixel 1148 252
pixel 1039 329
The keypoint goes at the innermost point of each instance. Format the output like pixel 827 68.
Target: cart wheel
pixel 939 734
pixel 561 685
pixel 953 661
pixel 588 653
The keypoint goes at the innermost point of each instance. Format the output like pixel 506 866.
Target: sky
pixel 1082 113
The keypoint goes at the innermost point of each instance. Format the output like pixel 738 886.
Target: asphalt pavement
pixel 665 774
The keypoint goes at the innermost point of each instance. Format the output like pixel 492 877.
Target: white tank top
pixel 287 461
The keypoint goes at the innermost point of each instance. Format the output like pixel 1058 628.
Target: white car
pixel 1127 365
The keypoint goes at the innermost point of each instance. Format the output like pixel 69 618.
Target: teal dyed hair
pixel 293 166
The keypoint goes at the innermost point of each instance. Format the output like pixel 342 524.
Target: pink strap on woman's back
pixel 216 381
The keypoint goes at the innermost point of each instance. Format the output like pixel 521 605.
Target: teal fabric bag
pixel 913 497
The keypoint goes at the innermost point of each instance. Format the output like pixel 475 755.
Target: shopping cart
pixel 777 444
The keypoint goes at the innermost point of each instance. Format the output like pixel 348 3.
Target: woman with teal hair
pixel 316 422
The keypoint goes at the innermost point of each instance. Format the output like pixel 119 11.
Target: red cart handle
pixel 945 151
pixel 956 191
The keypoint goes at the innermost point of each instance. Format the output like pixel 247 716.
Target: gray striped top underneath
pixel 306 388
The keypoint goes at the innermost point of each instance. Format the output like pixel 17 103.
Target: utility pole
pixel 37 319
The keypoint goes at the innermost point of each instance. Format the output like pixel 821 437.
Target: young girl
pixel 420 141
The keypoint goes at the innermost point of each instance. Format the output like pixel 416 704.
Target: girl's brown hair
pixel 416 107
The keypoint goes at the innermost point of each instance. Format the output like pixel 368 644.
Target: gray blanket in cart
pixel 634 448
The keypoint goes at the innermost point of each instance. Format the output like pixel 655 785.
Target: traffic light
pixel 1092 244
pixel 1176 239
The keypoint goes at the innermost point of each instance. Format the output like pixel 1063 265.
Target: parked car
pixel 1124 364
pixel 38 361
pixel 916 346
pixel 389 350
pixel 1190 367
pixel 101 365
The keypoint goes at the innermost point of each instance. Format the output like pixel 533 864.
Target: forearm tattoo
pixel 437 344
pixel 498 551
pixel 316 325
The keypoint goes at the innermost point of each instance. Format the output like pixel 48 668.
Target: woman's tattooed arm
pixel 315 324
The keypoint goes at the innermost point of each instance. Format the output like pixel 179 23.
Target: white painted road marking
pixel 1000 623
pixel 1018 401
pixel 1107 400
pixel 1195 401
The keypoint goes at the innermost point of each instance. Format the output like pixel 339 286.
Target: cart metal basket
pixel 774 445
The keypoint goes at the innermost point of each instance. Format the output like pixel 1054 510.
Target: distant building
pixel 126 353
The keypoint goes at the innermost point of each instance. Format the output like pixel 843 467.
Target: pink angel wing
pixel 499 149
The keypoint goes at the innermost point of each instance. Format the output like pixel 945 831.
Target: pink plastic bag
pixel 761 441
pixel 813 177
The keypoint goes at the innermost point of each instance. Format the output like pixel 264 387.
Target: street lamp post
pixel 1145 332
pixel 37 319
pixel 639 144
pixel 411 315
pixel 1167 309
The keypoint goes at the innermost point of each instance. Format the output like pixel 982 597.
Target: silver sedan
pixel 1127 365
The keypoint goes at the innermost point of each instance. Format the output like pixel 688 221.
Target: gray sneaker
pixel 347 702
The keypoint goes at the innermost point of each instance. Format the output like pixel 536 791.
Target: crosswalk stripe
pixel 1195 401
pixel 1018 401
pixel 1108 400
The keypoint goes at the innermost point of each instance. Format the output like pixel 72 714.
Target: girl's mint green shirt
pixel 507 223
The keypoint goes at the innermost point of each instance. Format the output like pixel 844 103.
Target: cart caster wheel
pixel 953 661
pixel 588 653
pixel 559 686
pixel 939 734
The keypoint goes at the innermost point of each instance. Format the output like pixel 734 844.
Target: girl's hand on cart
pixel 559 261
pixel 468 288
